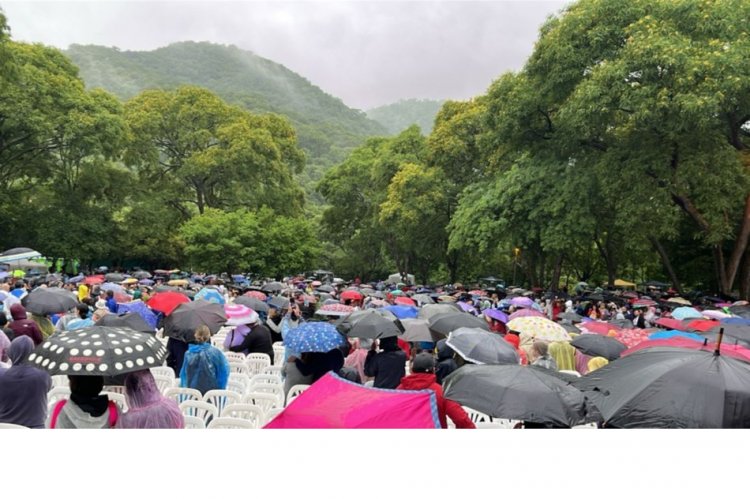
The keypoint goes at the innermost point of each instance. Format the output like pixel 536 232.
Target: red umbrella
pixel 308 298
pixel 599 327
pixel 258 295
pixel 402 300
pixel 670 323
pixel 350 294
pixel 122 298
pixel 644 302
pixel 94 279
pixel 166 302
pixel 632 337
pixel 701 325
pixel 478 292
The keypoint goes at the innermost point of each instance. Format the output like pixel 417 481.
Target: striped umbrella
pixel 258 295
pixel 240 314
pixel 335 310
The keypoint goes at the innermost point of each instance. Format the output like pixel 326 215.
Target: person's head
pixel 540 348
pixel 202 334
pixel 19 349
pixel 83 310
pixel 141 389
pixel 513 339
pixel 423 363
pixel 98 314
pixel 110 294
pixel 389 344
pixel 86 386
pixel 4 345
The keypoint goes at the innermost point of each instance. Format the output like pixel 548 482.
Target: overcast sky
pixel 366 53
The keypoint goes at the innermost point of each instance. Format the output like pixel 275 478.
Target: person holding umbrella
pixel 388 366
pixel 257 340
pixel 204 367
pixel 86 408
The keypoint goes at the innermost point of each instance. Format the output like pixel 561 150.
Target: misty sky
pixel 366 53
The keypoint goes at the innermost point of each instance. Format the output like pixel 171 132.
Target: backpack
pixel 111 407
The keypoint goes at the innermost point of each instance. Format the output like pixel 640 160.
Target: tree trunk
pixel 666 262
pixel 451 261
pixel 556 272
pixel 745 277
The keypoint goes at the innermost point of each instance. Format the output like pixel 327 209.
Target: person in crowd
pixel 541 356
pixel 82 319
pixel 515 340
pixel 23 387
pixel 273 322
pixel 257 340
pixel 111 303
pixel 387 366
pixel 204 367
pixel 83 292
pixel 86 408
pixel 358 355
pixel 147 407
pixel 5 328
pixel 422 377
pixel 45 325
pixel 23 326
pixel 564 355
pixel 445 361
pixel 639 321
pixel 70 315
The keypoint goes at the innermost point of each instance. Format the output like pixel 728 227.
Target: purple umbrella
pixel 494 313
pixel 146 282
pixel 139 308
pixel 467 308
pixel 527 312
pixel 522 301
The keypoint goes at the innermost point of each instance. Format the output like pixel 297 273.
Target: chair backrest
pixel 59 380
pixel 11 426
pixel 162 371
pixel 238 367
pixel 200 409
pixel 231 424
pixel 265 401
pixel 572 373
pixel 117 398
pixel 278 353
pixel 236 386
pixel 265 379
pixel 221 398
pixel 256 362
pixel 274 389
pixel 58 393
pixel 272 413
pixel 181 395
pixel 491 426
pixel 218 341
pixel 194 423
pixel 273 370
pixel 235 356
pixel 249 412
pixel 163 383
pixel 295 391
pixel 114 389
pixel 476 416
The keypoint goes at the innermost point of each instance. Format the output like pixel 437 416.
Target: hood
pixel 444 352
pixel 19 350
pixel 418 381
pixel 17 312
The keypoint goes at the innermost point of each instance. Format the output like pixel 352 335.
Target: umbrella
pixel 48 301
pixel 16 254
pixel 371 323
pixel 538 328
pixel 700 325
pixel 621 323
pixel 142 274
pixel 257 295
pixel 403 311
pixel 115 288
pixel 314 337
pixel 423 299
pixel 735 351
pixel 178 282
pixel 74 280
pixel 240 314
pixel 93 279
pixel 428 311
pixel 332 402
pixel 403 300
pixel 680 300
pixel 131 320
pixel 496 314
pixel 98 351
pixel 443 324
pixel 146 282
pixel 715 314
pixel 272 287
pixel 740 311
pixel 570 317
pixel 598 327
pixel 644 302
pixel 253 303
pixel 669 323
pixel 599 346
pixel 280 302
pixel 210 294
pixel 166 302
pixel 732 334
pixel 671 388
pixel 519 392
pixel 736 321
pixel 114 277
pixel 416 330
pixel 666 335
pixel 326 288
pixel 187 317
pixel 681 313
pixel 631 337
pixel 522 301
pixel 525 312
pixel 482 347
pixel 466 307
pixel 350 294
pixel 129 280
pixel 335 310
pixel 141 309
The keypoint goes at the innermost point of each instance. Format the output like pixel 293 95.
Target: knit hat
pixel 101 304
pixel 423 363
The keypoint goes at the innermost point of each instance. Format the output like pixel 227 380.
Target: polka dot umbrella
pixel 314 337
pixel 98 351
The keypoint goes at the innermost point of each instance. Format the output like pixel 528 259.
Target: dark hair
pixel 83 310
pixel 3 319
pixel 389 344
pixel 87 386
pixel 110 293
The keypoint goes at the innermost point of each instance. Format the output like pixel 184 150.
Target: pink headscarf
pixel 148 408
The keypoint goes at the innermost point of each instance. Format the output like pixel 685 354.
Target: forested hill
pixel 327 128
pixel 404 113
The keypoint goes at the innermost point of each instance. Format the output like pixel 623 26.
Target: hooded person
pixel 204 367
pixel 147 407
pixel 446 364
pixel 23 387
pixel 86 408
pixel 358 355
pixel 256 340
pixel 387 366
pixel 23 326
pixel 564 354
pixel 597 363
pixel 422 377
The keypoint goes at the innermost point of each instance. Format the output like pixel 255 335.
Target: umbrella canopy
pixel 525 312
pixel 166 302
pixel 416 330
pixel 403 300
pixel 335 310
pixel 93 279
pixel 253 303
pixel 98 351
pixel 141 309
pixel 680 300
pixel 272 287
pixel 131 320
pixel 482 347
pixel 210 294
pixel 666 335
pixel 740 311
pixel 519 392
pixel 496 314
pixel 522 301
pixel 715 314
pixel 403 311
pixel 280 302
pixel 351 294
pixel 142 274
pixel 598 327
pixel 671 388
pixel 178 282
pixel 15 254
pixel 539 328
pixel 47 301
pixel 332 402
pixel 700 325
pixel 423 299
pixel 326 288
pixel 258 295
pixel 240 314
pixel 681 313
pixel 668 323
pixel 371 323
pixel 733 334
pixel 114 277
pixel 115 288
pixel 570 317
pixel 314 337
pixel 444 324
pixel 428 311
pixel 735 351
pixel 187 317
pixel 599 346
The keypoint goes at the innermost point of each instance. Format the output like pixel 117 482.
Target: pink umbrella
pixel 715 314
pixel 632 337
pixel 335 310
pixel 402 300
pixel 599 327
pixel 522 301
pixel 526 312
pixel 258 295
pixel 240 314
pixel 122 298
pixel 332 402
pixel 670 323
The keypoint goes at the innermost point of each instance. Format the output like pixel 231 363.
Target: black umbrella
pixel 741 311
pixel 279 302
pixel 423 299
pixel 597 345
pixel 482 347
pixel 114 277
pixel 733 334
pixel 671 388
pixel 142 274
pixel 272 287
pixel 427 311
pixel 253 303
pixel 326 288
pixel 370 323
pixel 622 323
pixel 47 301
pixel 132 320
pixel 98 351
pixel 571 317
pixel 186 318
pixel 443 324
pixel 570 328
pixel 519 392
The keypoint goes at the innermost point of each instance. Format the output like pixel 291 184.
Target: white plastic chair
pixel 256 362
pixel 265 379
pixel 117 398
pixel 221 398
pixel 239 367
pixel 114 389
pixel 181 395
pixel 237 387
pixel 11 426
pixel 266 401
pixel 200 409
pixel 572 373
pixel 162 371
pixel 163 383
pixel 248 412
pixel 194 423
pixel 278 353
pixel 476 416
pixel 274 389
pixel 588 426
pixel 59 380
pixel 273 371
pixel 272 413
pixel 235 356
pixel 231 424
pixel 58 393
pixel 294 392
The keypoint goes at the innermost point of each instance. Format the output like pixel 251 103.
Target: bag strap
pixel 112 407
pixel 56 412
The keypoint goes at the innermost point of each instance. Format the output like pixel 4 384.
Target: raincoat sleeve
pixel 222 367
pixel 457 414
pixel 183 371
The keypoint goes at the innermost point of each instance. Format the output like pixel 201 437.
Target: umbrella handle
pixel 718 342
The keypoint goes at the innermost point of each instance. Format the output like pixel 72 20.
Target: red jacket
pixel 422 381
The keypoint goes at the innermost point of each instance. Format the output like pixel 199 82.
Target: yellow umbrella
pixel 624 284
pixel 178 282
pixel 130 280
pixel 537 328
pixel 681 301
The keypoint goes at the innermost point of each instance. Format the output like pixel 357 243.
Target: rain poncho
pixel 23 388
pixel 204 368
pixel 148 408
pixel 564 354
pixel 597 363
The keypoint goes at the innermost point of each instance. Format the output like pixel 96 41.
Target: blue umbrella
pixel 146 282
pixel 403 311
pixel 738 321
pixel 115 288
pixel 314 337
pixel 682 313
pixel 210 294
pixel 666 335
pixel 141 309
pixel 74 280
